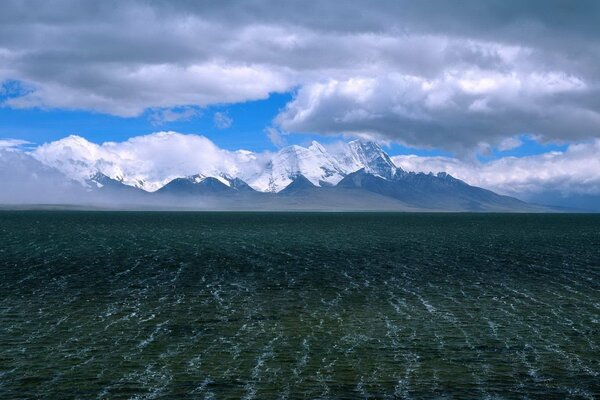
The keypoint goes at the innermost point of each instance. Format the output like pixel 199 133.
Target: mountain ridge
pixel 358 175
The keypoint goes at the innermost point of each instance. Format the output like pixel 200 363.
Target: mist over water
pixel 299 305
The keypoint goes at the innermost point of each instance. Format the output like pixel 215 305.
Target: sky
pixel 488 86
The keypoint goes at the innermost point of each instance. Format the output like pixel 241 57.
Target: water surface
pixel 299 305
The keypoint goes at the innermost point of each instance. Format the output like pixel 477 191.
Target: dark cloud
pixel 124 57
pixel 450 114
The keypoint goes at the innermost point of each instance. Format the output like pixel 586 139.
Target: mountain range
pixel 358 175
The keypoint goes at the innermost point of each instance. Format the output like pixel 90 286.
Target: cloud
pixel 128 93
pixel 148 161
pixel 222 120
pixel 275 137
pixel 466 108
pixel 12 143
pixel 424 73
pixel 509 144
pixel 163 116
pixel 574 171
pixel 25 180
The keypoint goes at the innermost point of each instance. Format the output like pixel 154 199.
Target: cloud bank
pixel 148 161
pixel 427 73
pixel 25 180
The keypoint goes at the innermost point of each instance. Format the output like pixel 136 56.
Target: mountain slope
pixel 196 185
pixel 371 157
pixel 322 167
pixel 104 184
pixel 313 162
pixel 435 192
pixel 237 184
pixel 299 186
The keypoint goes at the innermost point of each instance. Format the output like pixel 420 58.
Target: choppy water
pixel 230 305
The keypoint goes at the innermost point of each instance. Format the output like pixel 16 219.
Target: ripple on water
pixel 153 305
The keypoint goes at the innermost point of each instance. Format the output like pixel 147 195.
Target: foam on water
pixel 260 306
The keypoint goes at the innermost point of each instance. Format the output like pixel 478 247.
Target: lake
pixel 299 305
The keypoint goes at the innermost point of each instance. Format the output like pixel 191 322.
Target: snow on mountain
pixel 74 156
pixel 314 163
pixel 146 162
pixel 197 185
pixel 322 167
pixel 152 161
pixel 372 157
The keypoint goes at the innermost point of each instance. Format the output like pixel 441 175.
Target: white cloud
pixel 275 136
pixel 149 161
pixel 509 144
pixel 574 171
pixel 129 91
pixel 12 143
pixel 163 116
pixel 222 120
pixel 459 109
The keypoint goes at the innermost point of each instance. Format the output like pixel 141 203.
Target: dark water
pixel 226 305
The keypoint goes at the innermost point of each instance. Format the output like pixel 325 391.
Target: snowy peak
pixel 321 167
pixel 195 185
pixel 205 185
pixel 317 147
pixel 130 163
pixel 235 183
pixel 74 156
pixel 373 159
pixel 99 180
pixel 314 163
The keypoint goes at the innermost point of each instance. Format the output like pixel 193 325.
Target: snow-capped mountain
pixel 322 167
pixel 149 166
pixel 372 157
pixel 313 162
pixel 200 184
pixel 164 171
pixel 146 162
